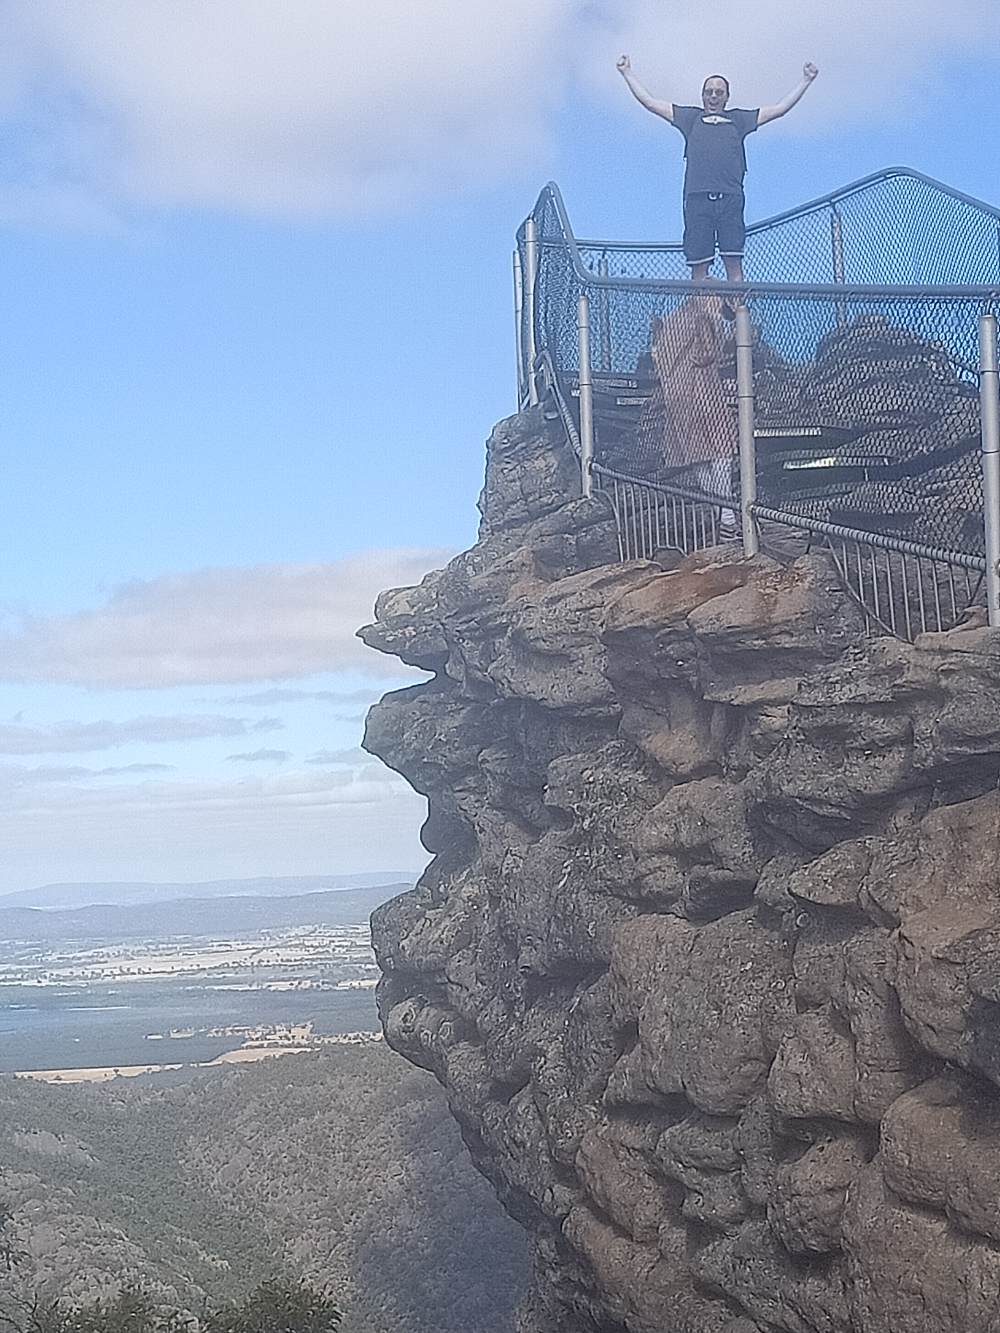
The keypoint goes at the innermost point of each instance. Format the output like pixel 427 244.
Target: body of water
pixel 83 1027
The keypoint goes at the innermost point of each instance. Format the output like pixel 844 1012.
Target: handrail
pixel 590 278
pixel 801 210
pixel 863 182
pixel 880 541
pixel 840 291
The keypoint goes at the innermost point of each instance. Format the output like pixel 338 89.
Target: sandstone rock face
pixel 708 956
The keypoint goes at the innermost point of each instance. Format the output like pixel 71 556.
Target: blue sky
pixel 256 324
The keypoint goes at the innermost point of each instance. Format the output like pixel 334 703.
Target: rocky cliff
pixel 708 956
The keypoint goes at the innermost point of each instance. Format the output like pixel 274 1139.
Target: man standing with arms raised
pixel 716 165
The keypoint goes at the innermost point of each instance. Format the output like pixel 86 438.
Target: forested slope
pixel 342 1167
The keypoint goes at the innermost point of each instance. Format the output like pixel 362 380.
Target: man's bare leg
pixel 699 272
pixel 734 273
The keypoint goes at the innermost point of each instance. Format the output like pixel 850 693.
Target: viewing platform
pixel 847 393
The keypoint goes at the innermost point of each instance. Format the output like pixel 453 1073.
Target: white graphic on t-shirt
pixel 716 120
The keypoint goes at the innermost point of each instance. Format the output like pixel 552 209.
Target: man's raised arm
pixel 654 104
pixel 769 113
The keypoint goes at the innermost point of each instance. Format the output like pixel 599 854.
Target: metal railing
pixel 861 414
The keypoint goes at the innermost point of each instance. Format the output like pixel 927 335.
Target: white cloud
pixel 216 626
pixel 366 785
pixel 260 757
pixel 288 106
pixel 323 107
pixel 873 57
pixel 279 695
pixel 355 756
pixel 81 737
pixel 290 823
pixel 12 776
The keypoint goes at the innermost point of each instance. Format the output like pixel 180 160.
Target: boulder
pixel 911 1270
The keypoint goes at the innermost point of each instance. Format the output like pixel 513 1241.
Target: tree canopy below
pixel 343 1169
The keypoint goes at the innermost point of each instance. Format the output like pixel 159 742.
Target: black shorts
pixel 713 222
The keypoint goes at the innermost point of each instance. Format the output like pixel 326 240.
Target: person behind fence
pixel 715 153
pixel 691 415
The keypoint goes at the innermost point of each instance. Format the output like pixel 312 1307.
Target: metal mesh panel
pixel 868 414
pixel 665 388
pixel 866 402
pixel 894 228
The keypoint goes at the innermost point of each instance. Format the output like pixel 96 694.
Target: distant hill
pixel 125 893
pixel 194 916
pixel 343 1167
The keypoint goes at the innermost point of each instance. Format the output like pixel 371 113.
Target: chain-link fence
pixel 866 397
pixel 867 409
pixel 894 228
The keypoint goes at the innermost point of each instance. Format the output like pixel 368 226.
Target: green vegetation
pixel 277 1307
pixel 273 1307
pixel 341 1169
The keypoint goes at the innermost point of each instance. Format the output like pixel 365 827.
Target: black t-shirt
pixel 716 158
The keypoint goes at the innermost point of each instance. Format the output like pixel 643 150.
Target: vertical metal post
pixel 519 326
pixel 748 449
pixel 839 272
pixel 837 244
pixel 989 405
pixel 604 315
pixel 530 295
pixel 586 397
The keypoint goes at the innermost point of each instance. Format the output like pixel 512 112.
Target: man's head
pixel 715 93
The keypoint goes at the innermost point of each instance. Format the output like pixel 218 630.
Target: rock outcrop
pixel 708 955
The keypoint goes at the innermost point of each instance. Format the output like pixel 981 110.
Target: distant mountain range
pixel 125 893
pixel 223 915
